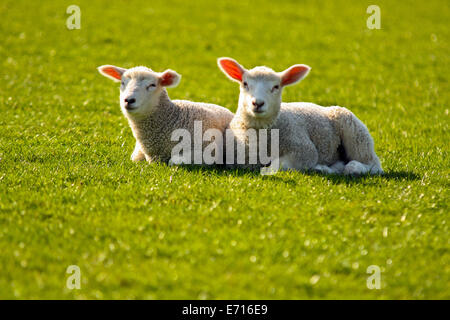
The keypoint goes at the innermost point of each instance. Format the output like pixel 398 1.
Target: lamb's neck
pixel 154 121
pixel 245 121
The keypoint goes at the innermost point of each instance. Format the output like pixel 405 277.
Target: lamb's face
pixel 260 93
pixel 140 87
pixel 261 87
pixel 139 91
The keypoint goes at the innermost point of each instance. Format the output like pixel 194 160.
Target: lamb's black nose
pixel 258 103
pixel 130 101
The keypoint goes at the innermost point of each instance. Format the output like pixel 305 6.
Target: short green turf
pixel 69 194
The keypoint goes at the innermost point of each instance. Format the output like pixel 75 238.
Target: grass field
pixel 69 195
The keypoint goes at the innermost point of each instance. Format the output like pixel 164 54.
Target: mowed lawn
pixel 69 194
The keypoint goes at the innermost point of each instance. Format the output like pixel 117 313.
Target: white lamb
pixel 312 137
pixel 153 117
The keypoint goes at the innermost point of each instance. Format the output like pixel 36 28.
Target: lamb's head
pixel 261 87
pixel 140 87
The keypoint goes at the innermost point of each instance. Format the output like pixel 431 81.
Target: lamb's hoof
pixel 338 167
pixel 137 158
pixel 354 168
pixel 177 160
pixel 323 169
pixel 376 171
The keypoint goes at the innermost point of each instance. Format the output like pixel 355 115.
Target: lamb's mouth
pixel 259 113
pixel 130 109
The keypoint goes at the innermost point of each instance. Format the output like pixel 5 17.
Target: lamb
pixel 311 137
pixel 153 117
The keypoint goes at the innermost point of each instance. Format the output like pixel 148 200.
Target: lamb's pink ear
pixel 112 72
pixel 294 74
pixel 169 78
pixel 231 68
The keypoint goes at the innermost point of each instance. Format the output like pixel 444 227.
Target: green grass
pixel 69 195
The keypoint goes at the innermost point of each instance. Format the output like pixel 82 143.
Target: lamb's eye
pixel 275 88
pixel 245 85
pixel 151 86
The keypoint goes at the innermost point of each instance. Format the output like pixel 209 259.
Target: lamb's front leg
pixel 336 168
pixel 304 156
pixel 301 155
pixel 137 154
pixel 322 168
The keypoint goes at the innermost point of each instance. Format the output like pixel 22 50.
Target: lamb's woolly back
pixel 154 131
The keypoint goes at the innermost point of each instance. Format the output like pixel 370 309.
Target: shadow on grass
pixel 219 170
pixel 392 175
pixel 334 178
pixel 227 172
